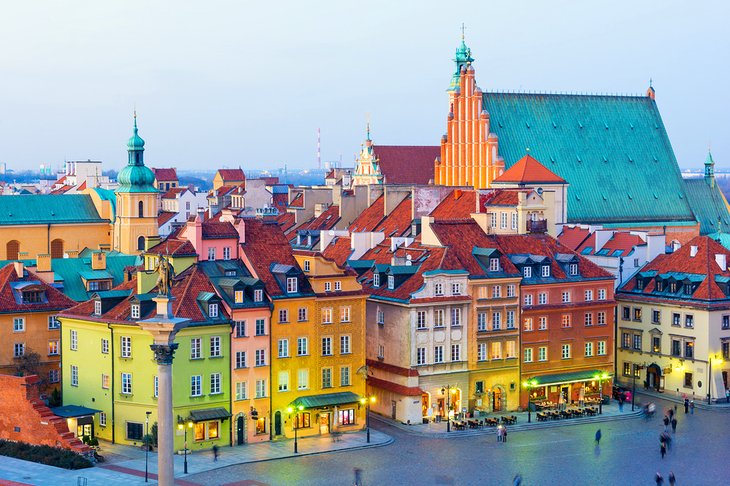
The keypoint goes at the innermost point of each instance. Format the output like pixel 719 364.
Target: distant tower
pixel 367 165
pixel 710 170
pixel 136 211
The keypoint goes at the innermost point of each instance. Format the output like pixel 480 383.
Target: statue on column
pixel 165 275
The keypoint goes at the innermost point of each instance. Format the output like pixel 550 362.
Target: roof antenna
pixel 463 28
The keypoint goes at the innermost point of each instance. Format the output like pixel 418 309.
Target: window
pixel 97 307
pixel 126 383
pixel 302 346
pixel 528 324
pixel 438 318
pixel 676 319
pixel 689 321
pixel 565 320
pixel 344 376
pixel 53 322
pixel 376 279
pixel 455 289
pixel 496 321
pixel 503 220
pixel 656 344
pixel 588 319
pixel 637 314
pixel 421 320
pixel 627 369
pixel 673 287
pixel 240 359
pixel 291 285
pixel 135 311
pixel 260 357
pixel 260 388
pixel 510 319
pixel 240 327
pixel 258 295
pixel 687 380
pixel 215 346
pixel 511 349
pixel 283 348
pixel 303 379
pixel 54 375
pixel 326 377
pixel 589 349
pixel 542 323
pixel 725 350
pixel 601 294
pixel 196 386
pixel 126 345
pixel 380 317
pixel 283 315
pixel 241 390
pixel 676 347
pixel 338 285
pixel 391 282
pixel 438 354
pixel 195 348
pixel 514 221
pixel 211 253
pixel 455 316
pixel 528 355
pixel 326 346
pixel 283 381
pixel 327 286
pixel 381 351
pixel 135 431
pixel 345 344
pixel 588 295
pixel 527 272
pixel 455 352
pixel 302 314
pixel 659 286
pixel 726 322
pixel 102 419
pixel 74 375
pixel 227 253
pixel 528 299
pixel 601 348
pixel 18 324
pixel 689 349
pixel 18 350
pixel 573 269
pixel 496 291
pixel 327 315
pixel 238 296
pixel 213 310
pixel 542 353
pixel 479 387
pixel 482 352
pixel 636 341
pixel 53 347
pixel 625 313
pixel 496 350
pixel 601 318
pixel 420 356
pixel 565 351
pixel 104 346
pixel 565 297
pixel 307 265
pixel 494 264
pixel 542 298
pixel 493 219
pixel 545 271
pixel 511 290
pixel 215 383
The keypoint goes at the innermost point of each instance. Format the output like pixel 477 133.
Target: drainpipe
pixel 111 346
pixel 48 238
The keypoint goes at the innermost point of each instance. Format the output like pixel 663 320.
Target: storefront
pixel 324 414
pixel 80 420
pixel 563 389
pixel 208 424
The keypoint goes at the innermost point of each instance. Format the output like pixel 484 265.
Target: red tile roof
pixel 174 247
pixel 500 197
pixel 620 240
pixel 370 218
pixel 162 174
pixel 173 193
pixel 232 175
pixel 398 222
pixel 164 217
pixel 217 230
pixel 339 250
pixel 528 170
pixel 55 299
pixel 298 201
pixel 404 164
pixel 573 237
pixel 62 190
pixel 459 204
pixel 280 200
pixel 286 221
pixel 408 391
pixel 325 221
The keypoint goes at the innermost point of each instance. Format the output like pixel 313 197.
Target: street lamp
pixel 366 401
pixel 448 390
pixel 295 425
pixel 600 377
pixel 147 446
pixel 529 385
pixel 181 425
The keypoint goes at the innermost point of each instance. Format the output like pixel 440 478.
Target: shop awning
pixel 209 414
pixel 326 400
pixel 71 411
pixel 563 378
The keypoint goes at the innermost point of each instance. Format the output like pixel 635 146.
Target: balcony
pixel 537 226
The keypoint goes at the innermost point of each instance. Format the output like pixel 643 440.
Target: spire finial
pixel 135 118
pixel 463 28
pixel 651 82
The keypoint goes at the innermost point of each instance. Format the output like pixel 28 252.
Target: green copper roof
pixel 135 142
pixel 722 238
pixel 68 271
pixel 48 208
pixel 463 59
pixel 613 151
pixel 708 204
pixel 135 177
pixel 108 195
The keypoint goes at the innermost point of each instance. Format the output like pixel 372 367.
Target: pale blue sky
pixel 248 83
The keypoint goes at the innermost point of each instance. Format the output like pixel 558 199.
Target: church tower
pixel 136 211
pixel 469 155
pixel 367 166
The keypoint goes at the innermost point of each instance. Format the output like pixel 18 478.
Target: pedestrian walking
pixel 666 439
pixel 672 479
pixel 659 479
pixel 499 433
pixel 674 425
pixel 358 476
pixel 598 437
pixel 663 450
pixel 666 423
pixel 686 405
pixel 671 414
pixel 727 395
pixel 675 409
pixel 215 453
pixel 692 407
pixel 504 434
pixel 620 404
pixel 517 481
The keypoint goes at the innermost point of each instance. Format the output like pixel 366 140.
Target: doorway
pixel 277 423
pixel 653 373
pixel 565 395
pixel 497 399
pixel 324 423
pixel 425 400
pixel 240 430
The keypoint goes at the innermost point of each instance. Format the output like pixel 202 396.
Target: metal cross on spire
pixel 463 28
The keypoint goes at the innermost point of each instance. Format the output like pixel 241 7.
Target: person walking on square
pixel 598 437
pixel 672 479
pixel 686 405
pixel 663 449
pixel 671 414
pixel 674 425
pixel 215 453
pixel 659 479
pixel 504 434
pixel 499 433
pixel 692 407
pixel 517 481
pixel 666 423
pixel 358 476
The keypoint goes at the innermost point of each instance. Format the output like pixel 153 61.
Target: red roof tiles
pixel 55 299
pixel 325 221
pixel 164 217
pixel 339 250
pixel 370 218
pixel 163 174
pixel 407 164
pixel 398 222
pixel 459 204
pixel 573 237
pixel 173 193
pixel 298 201
pixel 528 170
pixel 173 247
pixel 231 175
pixel 216 230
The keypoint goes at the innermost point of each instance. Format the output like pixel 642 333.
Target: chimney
pixel 98 260
pixel 43 262
pixel 692 251
pixel 457 194
pixel 721 260
pixel 19 269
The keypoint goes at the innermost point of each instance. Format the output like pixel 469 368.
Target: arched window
pixel 140 242
pixel 141 209
pixel 12 249
pixel 57 248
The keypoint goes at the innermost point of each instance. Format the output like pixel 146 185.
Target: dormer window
pixel 230 273
pixel 640 284
pixel 212 310
pixel 527 272
pixel 258 295
pixel 391 282
pixel 546 270
pixel 327 287
pixel 672 287
pixel 291 285
pixel 338 285
pixel 688 289
pixel 33 297
pixel 238 296
pixel 573 269
pixel 456 289
pixel 438 289
pixel 211 253
pixel 494 264
pixel 95 285
pixel 376 280
pixel 307 265
pixel 659 286
pixel 135 311
pixel 97 307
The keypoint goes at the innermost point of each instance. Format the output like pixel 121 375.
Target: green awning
pixel 209 414
pixel 325 400
pixel 563 378
pixel 71 411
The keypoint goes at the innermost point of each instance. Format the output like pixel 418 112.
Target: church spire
pixel 710 170
pixel 135 145
pixel 463 59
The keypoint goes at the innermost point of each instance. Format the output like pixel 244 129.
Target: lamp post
pixel 185 425
pixel 448 390
pixel 366 401
pixel 295 424
pixel 529 385
pixel 600 378
pixel 146 446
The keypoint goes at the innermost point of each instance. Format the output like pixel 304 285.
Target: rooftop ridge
pixel 566 93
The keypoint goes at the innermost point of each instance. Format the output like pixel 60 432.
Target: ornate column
pixel 164 354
